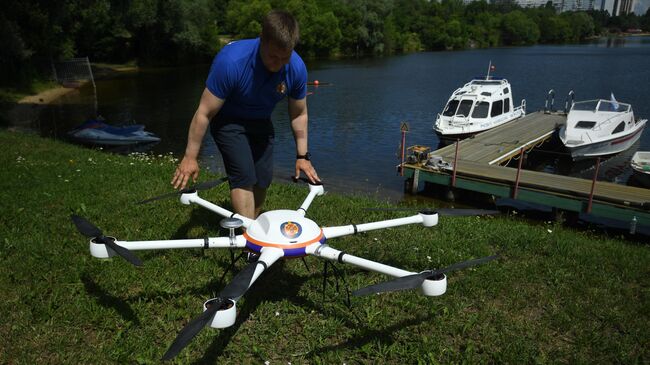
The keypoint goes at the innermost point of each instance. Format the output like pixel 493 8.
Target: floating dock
pixel 478 168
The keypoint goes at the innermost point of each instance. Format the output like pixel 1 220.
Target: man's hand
pixel 308 169
pixel 188 167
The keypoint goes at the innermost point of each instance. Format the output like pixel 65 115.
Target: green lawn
pixel 556 296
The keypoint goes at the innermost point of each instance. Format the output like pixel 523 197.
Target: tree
pixel 518 29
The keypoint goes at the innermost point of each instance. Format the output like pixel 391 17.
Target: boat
pixel 97 132
pixel 481 104
pixel 641 166
pixel 600 127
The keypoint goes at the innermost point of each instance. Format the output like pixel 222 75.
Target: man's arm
pixel 298 115
pixel 209 106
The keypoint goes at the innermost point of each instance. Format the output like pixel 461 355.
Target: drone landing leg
pixel 306 266
pixel 337 273
pixel 233 261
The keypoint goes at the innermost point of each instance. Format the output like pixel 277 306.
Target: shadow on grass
pixel 107 300
pixel 286 286
pixel 384 335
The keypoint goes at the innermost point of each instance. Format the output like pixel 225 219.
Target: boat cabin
pixel 477 106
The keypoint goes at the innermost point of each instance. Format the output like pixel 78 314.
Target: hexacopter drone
pixel 273 235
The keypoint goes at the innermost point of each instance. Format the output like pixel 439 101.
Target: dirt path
pixel 28 108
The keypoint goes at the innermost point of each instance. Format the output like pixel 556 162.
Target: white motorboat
pixel 479 105
pixel 600 127
pixel 641 166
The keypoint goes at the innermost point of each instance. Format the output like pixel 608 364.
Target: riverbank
pixel 21 109
pixel 555 295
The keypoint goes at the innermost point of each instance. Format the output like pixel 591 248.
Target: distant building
pixel 578 5
pixel 624 7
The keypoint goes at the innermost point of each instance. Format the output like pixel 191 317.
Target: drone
pixel 274 235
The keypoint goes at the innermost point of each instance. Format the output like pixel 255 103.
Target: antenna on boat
pixel 490 68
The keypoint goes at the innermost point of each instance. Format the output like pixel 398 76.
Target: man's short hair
pixel 280 28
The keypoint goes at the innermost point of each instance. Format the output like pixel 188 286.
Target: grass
pixel 556 296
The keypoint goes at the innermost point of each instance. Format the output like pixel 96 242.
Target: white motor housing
pixel 434 288
pixel 224 317
pixel 100 250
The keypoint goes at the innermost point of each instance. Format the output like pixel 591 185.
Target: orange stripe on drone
pixel 297 245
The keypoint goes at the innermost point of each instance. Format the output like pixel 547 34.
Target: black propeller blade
pixel 441 211
pixel 235 289
pixel 91 231
pixel 200 186
pixel 415 280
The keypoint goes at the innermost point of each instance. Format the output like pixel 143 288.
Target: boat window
pixel 485 93
pixel 612 106
pixel 506 91
pixel 465 107
pixel 450 110
pixel 585 105
pixel 486 82
pixel 583 124
pixel 619 128
pixel 506 105
pixel 497 108
pixel 607 106
pixel 481 109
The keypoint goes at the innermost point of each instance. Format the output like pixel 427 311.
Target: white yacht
pixel 600 127
pixel 479 105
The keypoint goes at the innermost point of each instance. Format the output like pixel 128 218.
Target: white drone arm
pixel 332 254
pixel 196 199
pixel 314 191
pixel 429 287
pixel 427 220
pixel 268 257
pixel 101 251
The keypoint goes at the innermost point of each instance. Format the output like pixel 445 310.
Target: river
pixel 354 121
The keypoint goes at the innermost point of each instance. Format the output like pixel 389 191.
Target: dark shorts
pixel 247 150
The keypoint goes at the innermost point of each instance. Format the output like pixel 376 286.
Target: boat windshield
pixel 585 105
pixel 481 109
pixel 612 106
pixel 601 106
pixel 451 107
pixel 464 108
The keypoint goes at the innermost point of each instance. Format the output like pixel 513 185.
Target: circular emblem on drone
pixel 290 229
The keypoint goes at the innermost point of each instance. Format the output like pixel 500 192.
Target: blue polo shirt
pixel 250 91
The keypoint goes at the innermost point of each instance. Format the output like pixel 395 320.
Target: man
pixel 247 79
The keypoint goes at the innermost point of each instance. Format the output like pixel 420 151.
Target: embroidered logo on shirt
pixel 281 88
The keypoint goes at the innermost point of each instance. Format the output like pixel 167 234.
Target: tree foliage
pixel 35 32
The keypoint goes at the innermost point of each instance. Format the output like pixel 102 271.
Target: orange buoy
pixel 316 82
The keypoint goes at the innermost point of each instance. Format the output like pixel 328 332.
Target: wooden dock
pixel 499 145
pixel 478 169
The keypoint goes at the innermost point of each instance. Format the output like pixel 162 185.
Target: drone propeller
pixel 200 186
pixel 235 289
pixel 442 211
pixel 415 280
pixel 91 231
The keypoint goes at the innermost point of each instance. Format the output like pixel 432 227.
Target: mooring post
pixel 401 170
pixel 416 181
pixel 593 186
pixel 521 159
pixel 453 174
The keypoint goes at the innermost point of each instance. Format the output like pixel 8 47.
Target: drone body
pixel 274 235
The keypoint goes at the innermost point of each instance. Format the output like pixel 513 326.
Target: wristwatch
pixel 306 156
